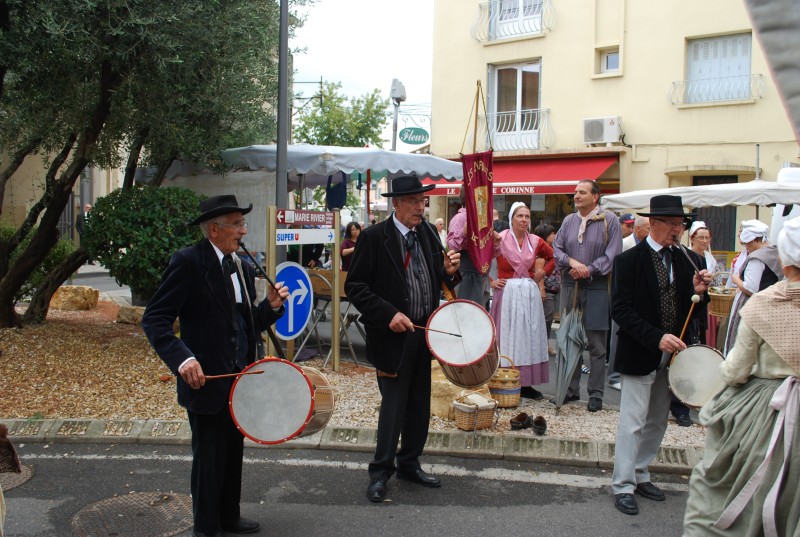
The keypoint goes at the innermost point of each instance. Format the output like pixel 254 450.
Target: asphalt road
pixel 301 493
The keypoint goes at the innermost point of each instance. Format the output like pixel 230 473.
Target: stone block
pixel 130 315
pixel 74 298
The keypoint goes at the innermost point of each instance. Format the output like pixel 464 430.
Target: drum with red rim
pixel 286 401
pixel 471 360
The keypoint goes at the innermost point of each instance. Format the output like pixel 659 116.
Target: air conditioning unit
pixel 602 130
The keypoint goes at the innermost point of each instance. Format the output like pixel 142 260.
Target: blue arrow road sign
pixel 300 302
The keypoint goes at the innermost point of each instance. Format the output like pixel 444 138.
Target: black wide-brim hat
pixel 217 206
pixel 406 185
pixel 666 205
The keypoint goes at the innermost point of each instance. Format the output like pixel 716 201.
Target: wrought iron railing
pixel 711 90
pixel 517 130
pixel 504 19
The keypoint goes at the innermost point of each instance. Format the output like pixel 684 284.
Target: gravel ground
pixel 84 365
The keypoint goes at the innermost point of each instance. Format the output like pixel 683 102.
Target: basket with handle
pixel 504 385
pixel 721 299
pixel 473 413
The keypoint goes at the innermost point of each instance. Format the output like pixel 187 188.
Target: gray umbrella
pixel 571 338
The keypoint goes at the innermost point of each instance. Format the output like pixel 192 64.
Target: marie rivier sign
pixel 414 136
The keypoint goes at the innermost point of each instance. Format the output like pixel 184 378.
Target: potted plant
pixel 133 232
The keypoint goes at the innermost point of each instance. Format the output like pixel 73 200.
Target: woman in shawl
pixel 748 482
pixel 761 269
pixel 517 302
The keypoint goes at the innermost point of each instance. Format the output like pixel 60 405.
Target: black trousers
pixel 406 409
pixel 217 451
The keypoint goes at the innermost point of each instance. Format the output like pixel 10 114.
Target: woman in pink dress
pixel 517 301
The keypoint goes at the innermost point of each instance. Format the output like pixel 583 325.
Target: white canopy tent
pixel 756 192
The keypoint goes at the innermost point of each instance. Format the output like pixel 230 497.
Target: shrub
pixel 55 257
pixel 134 231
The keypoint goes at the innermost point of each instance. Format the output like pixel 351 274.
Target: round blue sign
pixel 300 302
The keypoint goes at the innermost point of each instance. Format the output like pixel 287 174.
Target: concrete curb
pixel 573 452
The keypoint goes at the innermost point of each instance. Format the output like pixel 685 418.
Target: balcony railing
pixel 518 130
pixel 504 19
pixel 712 90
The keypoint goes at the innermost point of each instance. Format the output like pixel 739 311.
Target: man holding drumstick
pixel 652 294
pixel 208 288
pixel 394 281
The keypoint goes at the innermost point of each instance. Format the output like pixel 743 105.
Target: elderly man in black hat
pixel 394 281
pixel 212 292
pixel 652 293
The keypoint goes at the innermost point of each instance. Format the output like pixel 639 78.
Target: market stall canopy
pixel 756 192
pixel 317 162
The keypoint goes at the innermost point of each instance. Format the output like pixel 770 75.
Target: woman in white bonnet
pixel 748 482
pixel 761 269
pixel 700 241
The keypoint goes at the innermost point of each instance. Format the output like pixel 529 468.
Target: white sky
pixel 364 44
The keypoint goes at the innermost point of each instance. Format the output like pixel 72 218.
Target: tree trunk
pixel 40 302
pixel 158 178
pixel 133 157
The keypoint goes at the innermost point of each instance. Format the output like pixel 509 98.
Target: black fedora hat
pixel 217 206
pixel 666 205
pixel 406 185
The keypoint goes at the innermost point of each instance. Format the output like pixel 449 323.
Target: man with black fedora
pixel 212 292
pixel 394 281
pixel 652 292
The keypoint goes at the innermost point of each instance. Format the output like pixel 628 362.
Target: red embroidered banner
pixel 480 203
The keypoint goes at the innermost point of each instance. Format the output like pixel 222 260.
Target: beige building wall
pixel 665 144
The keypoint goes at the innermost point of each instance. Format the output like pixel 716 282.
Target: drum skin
pixel 694 375
pixel 471 360
pixel 284 402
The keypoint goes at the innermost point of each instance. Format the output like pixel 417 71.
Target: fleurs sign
pixel 413 136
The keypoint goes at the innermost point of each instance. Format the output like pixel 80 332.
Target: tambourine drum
pixel 694 375
pixel 470 360
pixel 284 402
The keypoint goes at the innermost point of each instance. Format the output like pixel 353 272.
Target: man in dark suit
pixel 651 296
pixel 211 291
pixel 394 281
pixel 80 226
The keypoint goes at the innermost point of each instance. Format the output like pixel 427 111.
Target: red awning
pixel 540 176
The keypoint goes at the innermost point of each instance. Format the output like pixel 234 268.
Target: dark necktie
pixel 666 257
pixel 412 252
pixel 228 268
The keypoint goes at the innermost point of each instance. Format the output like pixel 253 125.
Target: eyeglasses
pixel 413 201
pixel 670 223
pixel 237 225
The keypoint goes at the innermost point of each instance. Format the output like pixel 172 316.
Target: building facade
pixel 634 94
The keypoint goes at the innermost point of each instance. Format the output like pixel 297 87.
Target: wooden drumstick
pixel 434 330
pixel 227 375
pixel 695 300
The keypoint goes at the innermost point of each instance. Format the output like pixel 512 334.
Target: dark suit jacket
pixel 376 286
pixel 193 289
pixel 635 304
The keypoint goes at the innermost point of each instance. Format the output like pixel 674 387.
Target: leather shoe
pixel 529 392
pixel 201 534
pixel 376 491
pixel 243 525
pixel 684 420
pixel 539 425
pixel 419 477
pixel 595 404
pixel 626 503
pixel 650 491
pixel 567 399
pixel 521 421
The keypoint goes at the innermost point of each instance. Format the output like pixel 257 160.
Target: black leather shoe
pixel 520 421
pixel 201 534
pixel 684 420
pixel 595 404
pixel 650 491
pixel 419 477
pixel 243 525
pixel 539 425
pixel 376 491
pixel 626 503
pixel 529 392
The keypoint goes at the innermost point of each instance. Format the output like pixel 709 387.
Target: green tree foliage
pixel 133 232
pixel 113 82
pixel 330 118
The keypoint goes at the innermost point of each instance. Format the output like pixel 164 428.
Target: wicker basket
pixel 474 411
pixel 504 385
pixel 721 302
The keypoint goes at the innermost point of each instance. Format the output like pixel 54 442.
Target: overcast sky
pixel 364 44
